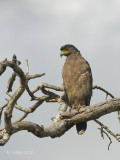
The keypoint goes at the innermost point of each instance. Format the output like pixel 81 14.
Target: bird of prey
pixel 77 81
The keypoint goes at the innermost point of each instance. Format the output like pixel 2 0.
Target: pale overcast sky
pixel 36 29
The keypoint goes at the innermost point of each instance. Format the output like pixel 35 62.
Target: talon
pixel 80 106
pixel 70 109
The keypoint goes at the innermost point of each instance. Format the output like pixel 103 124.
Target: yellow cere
pixel 65 51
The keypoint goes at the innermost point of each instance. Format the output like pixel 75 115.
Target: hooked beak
pixel 61 54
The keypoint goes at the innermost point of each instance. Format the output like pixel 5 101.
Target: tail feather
pixel 81 127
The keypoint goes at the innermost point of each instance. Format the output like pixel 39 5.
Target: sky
pixel 35 30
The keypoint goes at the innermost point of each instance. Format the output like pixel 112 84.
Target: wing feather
pixel 77 80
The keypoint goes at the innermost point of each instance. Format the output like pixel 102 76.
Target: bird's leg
pixel 80 106
pixel 72 107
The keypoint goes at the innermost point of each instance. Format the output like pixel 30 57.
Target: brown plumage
pixel 77 81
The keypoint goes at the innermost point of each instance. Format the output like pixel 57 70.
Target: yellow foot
pixel 70 109
pixel 80 106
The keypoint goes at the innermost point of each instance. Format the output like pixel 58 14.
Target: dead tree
pixel 64 119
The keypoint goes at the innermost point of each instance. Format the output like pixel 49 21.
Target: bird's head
pixel 68 49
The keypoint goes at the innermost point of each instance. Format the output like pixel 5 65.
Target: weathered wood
pixel 63 121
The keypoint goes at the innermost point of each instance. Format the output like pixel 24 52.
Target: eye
pixel 67 49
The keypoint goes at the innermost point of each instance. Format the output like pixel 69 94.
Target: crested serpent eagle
pixel 77 81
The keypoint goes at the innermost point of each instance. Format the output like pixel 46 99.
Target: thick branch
pixel 69 119
pixel 57 129
pixel 92 112
pixel 4 137
pixel 17 94
pixel 10 82
pixel 62 108
pixel 63 120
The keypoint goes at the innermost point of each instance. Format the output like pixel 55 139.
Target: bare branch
pixel 30 93
pixel 57 129
pixel 64 119
pixel 10 82
pixel 1 110
pixel 13 77
pixel 92 112
pixel 17 94
pixel 35 76
pixel 107 93
pixel 62 108
pixel 102 89
pixel 31 76
pixel 51 97
pixel 27 67
pixel 52 87
pixel 26 110
pixel 102 131
pixel 119 115
pixel 49 93
pixel 2 67
pixel 21 118
pixel 4 137
pixel 116 136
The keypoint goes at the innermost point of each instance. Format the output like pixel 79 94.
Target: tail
pixel 81 127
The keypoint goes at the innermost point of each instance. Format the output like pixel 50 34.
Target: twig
pixel 35 76
pixel 52 87
pixel 28 110
pixel 2 67
pixel 102 131
pixel 51 97
pixel 30 93
pixel 27 67
pixel 1 110
pixel 116 136
pixel 119 115
pixel 21 118
pixel 107 93
pixel 13 77
pixel 102 89
pixel 49 93
pixel 10 82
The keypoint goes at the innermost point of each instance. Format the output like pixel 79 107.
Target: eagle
pixel 77 81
